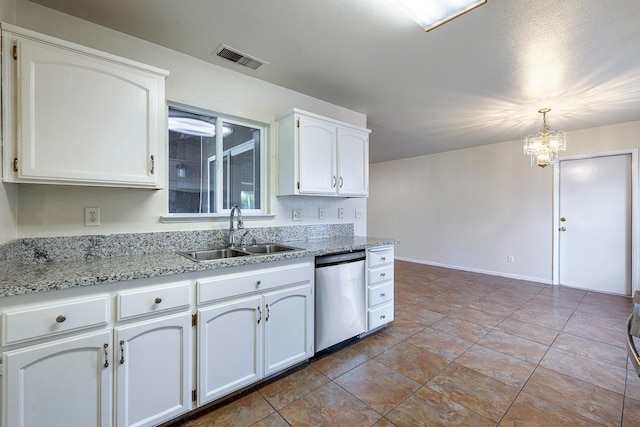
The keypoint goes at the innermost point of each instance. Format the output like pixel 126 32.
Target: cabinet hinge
pixel 194 319
pixel 298 123
pixel 15 52
pixel 15 164
pixel 194 395
pixel 297 185
pixel 1 368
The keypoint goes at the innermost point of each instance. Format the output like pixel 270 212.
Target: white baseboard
pixel 478 270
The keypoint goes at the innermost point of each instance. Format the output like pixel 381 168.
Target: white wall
pixel 49 210
pixel 471 208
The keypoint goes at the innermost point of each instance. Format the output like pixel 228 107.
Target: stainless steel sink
pixel 269 248
pixel 212 254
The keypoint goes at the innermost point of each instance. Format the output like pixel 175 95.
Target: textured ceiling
pixel 477 80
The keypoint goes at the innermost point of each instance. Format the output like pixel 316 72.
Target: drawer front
pixel 380 316
pixel 43 320
pixel 380 294
pixel 154 300
pixel 378 257
pixel 380 275
pixel 229 285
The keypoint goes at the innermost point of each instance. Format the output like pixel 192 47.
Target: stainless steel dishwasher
pixel 340 298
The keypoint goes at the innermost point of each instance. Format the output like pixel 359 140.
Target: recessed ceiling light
pixel 430 14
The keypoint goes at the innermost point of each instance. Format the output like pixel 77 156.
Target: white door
pixel 64 383
pixel 595 223
pixel 317 157
pixel 288 327
pixel 229 347
pixel 353 163
pixel 153 370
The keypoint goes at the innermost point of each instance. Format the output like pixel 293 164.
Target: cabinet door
pixel 65 383
pixel 353 163
pixel 153 370
pixel 85 120
pixel 288 327
pixel 316 157
pixel 229 347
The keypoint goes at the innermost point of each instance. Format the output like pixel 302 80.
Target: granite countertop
pixel 33 277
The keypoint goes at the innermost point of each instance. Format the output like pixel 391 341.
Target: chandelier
pixel 544 147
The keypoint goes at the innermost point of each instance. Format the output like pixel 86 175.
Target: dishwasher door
pixel 340 303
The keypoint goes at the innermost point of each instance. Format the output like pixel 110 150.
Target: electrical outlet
pixel 510 259
pixel 340 213
pixel 91 217
pixel 296 214
pixel 358 213
pixel 320 213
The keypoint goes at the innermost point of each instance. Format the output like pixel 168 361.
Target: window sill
pixel 171 218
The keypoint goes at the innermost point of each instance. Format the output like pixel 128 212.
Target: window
pixel 214 163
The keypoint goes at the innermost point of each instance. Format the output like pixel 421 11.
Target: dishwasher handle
pixel 340 258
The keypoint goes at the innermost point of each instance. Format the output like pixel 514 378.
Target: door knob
pixel 563 228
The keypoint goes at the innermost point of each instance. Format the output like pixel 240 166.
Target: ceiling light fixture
pixel 544 147
pixel 430 14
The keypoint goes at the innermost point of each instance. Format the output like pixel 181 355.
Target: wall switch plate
pixel 358 213
pixel 91 217
pixel 510 259
pixel 320 213
pixel 340 213
pixel 296 214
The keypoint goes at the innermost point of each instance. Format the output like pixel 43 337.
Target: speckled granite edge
pixel 9 255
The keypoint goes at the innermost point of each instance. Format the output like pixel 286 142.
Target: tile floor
pixel 464 349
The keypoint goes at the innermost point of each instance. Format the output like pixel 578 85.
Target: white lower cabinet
pixel 244 339
pixel 67 382
pixel 153 370
pixel 380 286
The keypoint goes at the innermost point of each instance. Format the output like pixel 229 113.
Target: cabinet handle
pixel 382 295
pixel 383 317
pixel 333 182
pixel 106 355
pixel 259 314
pixel 158 300
pixel 341 182
pixel 61 318
pixel 382 274
pixel 383 259
pixel 153 164
pixel 15 164
pixel 121 352
pixel 258 283
pixel 266 319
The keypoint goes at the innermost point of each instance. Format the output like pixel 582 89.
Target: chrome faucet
pixel 232 230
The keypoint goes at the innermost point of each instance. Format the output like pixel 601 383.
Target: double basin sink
pixel 224 253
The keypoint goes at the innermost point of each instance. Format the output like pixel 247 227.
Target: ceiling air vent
pixel 238 57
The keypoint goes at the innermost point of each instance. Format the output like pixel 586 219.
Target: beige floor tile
pixel 273 420
pixel 462 329
pixel 244 411
pixel 510 370
pixel 430 408
pixel 515 346
pixel 592 371
pixel 531 411
pixel 403 329
pixel 413 362
pixel 375 344
pixel 528 331
pixel 335 364
pixel 592 349
pixel 482 394
pixel 283 391
pixel 590 401
pixel 631 415
pixel 329 405
pixel 440 343
pixel 378 386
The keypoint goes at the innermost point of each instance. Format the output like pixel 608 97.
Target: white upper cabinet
pixel 77 116
pixel 322 157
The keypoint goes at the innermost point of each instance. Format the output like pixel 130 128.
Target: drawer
pixel 153 300
pixel 379 256
pixel 380 316
pixel 380 294
pixel 51 319
pixel 380 275
pixel 230 285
